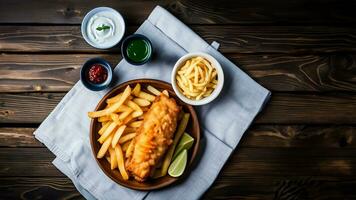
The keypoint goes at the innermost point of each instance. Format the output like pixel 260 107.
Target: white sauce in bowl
pixel 103 28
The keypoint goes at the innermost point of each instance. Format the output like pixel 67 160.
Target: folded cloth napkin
pixel 66 130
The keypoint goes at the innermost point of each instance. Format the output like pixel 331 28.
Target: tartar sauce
pixel 103 29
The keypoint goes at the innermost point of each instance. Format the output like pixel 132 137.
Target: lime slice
pixel 185 143
pixel 178 165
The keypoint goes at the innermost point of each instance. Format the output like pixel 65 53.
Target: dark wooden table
pixel 300 147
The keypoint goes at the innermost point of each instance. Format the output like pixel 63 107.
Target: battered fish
pixel 153 137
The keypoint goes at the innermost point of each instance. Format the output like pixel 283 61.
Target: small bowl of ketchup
pixel 96 74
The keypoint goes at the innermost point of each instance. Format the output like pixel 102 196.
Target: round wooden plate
pixel 151 184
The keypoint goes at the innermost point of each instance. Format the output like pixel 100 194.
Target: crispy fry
pixel 120 162
pixel 125 146
pixel 104 147
pixel 114 99
pixel 117 135
pixel 126 138
pixel 134 106
pixel 113 159
pixel 129 149
pixel 141 102
pixel 165 92
pixel 123 108
pixel 123 115
pixel 146 96
pixel 107 132
pixel 135 124
pixel 153 90
pixel 104 119
pixel 137 114
pixel 112 108
pixel 103 128
pixel 136 91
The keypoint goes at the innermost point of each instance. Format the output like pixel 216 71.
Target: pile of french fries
pixel 197 78
pixel 120 119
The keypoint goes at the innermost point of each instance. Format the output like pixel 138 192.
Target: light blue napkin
pixel 66 130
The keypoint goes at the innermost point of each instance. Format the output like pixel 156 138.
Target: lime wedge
pixel 185 143
pixel 178 165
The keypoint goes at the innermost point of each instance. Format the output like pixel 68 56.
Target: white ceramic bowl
pixel 218 88
pixel 121 27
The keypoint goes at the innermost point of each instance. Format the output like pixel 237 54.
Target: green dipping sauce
pixel 138 50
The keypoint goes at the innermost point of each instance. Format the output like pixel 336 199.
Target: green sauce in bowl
pixel 136 49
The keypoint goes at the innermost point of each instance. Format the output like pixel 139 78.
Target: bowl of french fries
pixel 197 78
pixel 117 128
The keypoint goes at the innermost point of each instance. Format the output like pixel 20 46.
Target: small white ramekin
pixel 92 13
pixel 216 91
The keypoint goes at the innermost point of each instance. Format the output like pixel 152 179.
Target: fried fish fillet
pixel 153 137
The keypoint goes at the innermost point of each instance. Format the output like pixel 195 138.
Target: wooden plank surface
pixel 246 161
pixel 207 12
pixel 241 39
pixel 38 188
pixel 283 108
pixel 258 136
pixel 281 136
pixel 276 72
pixel 248 188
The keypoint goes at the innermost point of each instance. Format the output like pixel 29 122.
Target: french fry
pixel 126 138
pixel 114 99
pixel 137 89
pixel 113 159
pixel 117 135
pixel 123 115
pixel 103 128
pixel 141 102
pixel 123 108
pixel 120 162
pixel 137 114
pixel 180 130
pixel 129 149
pixel 115 117
pixel 112 108
pixel 104 148
pixel 153 90
pixel 107 132
pixel 135 124
pixel 165 92
pixel 104 119
pixel 134 106
pixel 125 146
pixel 146 96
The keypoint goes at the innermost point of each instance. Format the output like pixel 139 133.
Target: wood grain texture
pixel 38 188
pixel 283 108
pixel 282 136
pixel 237 187
pixel 245 161
pixel 18 137
pixel 208 12
pixel 241 39
pixel 276 72
pixel 281 188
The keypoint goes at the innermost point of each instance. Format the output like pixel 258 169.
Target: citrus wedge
pixel 177 167
pixel 186 142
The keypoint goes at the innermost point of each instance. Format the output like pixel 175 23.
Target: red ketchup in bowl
pixel 97 74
